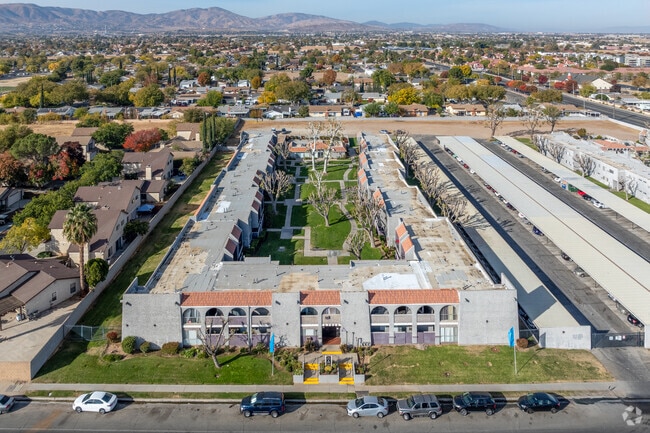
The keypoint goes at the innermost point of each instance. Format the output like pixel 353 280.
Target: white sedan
pixel 98 401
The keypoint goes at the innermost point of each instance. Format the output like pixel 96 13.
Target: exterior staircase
pixel 311 374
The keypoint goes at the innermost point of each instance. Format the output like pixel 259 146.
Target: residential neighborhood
pixel 324 202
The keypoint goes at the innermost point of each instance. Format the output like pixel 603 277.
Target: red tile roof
pixel 407 244
pixel 413 296
pixel 234 298
pixel 400 230
pixel 320 297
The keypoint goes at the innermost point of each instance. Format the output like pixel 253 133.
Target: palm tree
pixel 79 227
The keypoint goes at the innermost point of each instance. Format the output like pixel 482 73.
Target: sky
pixel 516 15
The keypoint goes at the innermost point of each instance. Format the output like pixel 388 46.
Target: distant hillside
pixel 30 18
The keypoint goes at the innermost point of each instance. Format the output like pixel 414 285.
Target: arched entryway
pixel 331 322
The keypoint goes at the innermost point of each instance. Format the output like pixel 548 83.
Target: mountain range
pixel 30 18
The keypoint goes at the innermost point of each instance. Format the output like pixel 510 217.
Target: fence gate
pixel 635 339
pixel 88 333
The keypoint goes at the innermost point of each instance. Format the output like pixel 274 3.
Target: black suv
pixel 471 401
pixel 419 405
pixel 265 403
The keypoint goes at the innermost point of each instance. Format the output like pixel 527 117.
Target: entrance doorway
pixel 331 335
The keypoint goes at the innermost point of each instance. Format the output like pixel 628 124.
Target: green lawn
pixel 308 188
pixel 332 237
pixel 279 249
pixel 299 216
pixel 275 221
pixel 107 311
pixel 456 364
pixel 81 363
pixel 75 363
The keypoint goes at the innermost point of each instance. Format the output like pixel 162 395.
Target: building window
pixel 448 313
pixel 309 311
pixel 53 296
pixel 73 287
pixel 191 315
pixel 407 329
pixel 402 310
pixel 378 329
pixel 448 334
pixel 379 310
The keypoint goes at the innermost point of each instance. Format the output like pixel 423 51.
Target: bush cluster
pixel 145 347
pixel 289 360
pixel 112 337
pixel 522 343
pixel 129 344
pixel 170 348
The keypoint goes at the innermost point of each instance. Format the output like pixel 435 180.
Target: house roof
pixel 83 131
pixel 24 277
pixel 233 298
pixel 413 296
pixel 320 297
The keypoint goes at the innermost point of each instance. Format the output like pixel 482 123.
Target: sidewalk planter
pixel 358 377
pixel 298 378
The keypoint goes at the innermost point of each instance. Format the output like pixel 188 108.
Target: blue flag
pixel 511 337
pixel 272 344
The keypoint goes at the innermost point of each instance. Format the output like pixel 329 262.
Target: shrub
pixel 112 357
pixel 522 343
pixel 345 348
pixel 128 344
pixel 145 347
pixel 260 348
pixel 311 345
pixel 243 350
pixel 112 337
pixel 190 353
pixel 170 348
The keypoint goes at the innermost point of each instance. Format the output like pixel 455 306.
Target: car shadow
pixel 500 399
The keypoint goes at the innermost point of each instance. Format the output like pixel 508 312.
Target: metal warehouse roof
pixel 621 272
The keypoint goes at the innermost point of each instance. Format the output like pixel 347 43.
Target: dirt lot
pixel 416 126
pixel 450 126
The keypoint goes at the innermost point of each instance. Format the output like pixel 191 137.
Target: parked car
pixel 537 231
pixel 633 320
pixel 368 405
pixel 598 204
pixel 265 403
pixel 557 179
pixel 473 401
pixel 97 401
pixel 579 272
pixel 565 256
pixel 538 401
pixel 419 405
pixel 6 403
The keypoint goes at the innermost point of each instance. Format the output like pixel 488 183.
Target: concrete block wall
pixel 152 317
pixel 486 316
pixel 577 337
pixel 285 314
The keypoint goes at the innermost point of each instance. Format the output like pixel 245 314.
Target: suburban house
pixel 86 142
pixel 10 198
pixel 414 110
pixel 114 204
pixel 29 285
pixel 149 165
pixel 110 113
pixel 329 110
pixel 189 131
pixel 465 109
pixel 65 112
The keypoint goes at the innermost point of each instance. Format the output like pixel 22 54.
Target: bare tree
pixel 322 201
pixel 214 342
pixel 400 137
pixel 428 174
pixel 629 185
pixel 368 212
pixel 315 129
pixel 495 116
pixel 552 115
pixel 275 184
pixel 453 207
pixel 556 151
pixel 532 120
pixel 283 149
pixel 585 163
pixel 408 150
pixel 542 144
pixel 356 242
pixel 334 134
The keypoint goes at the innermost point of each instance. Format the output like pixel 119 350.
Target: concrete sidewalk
pixel 616 390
